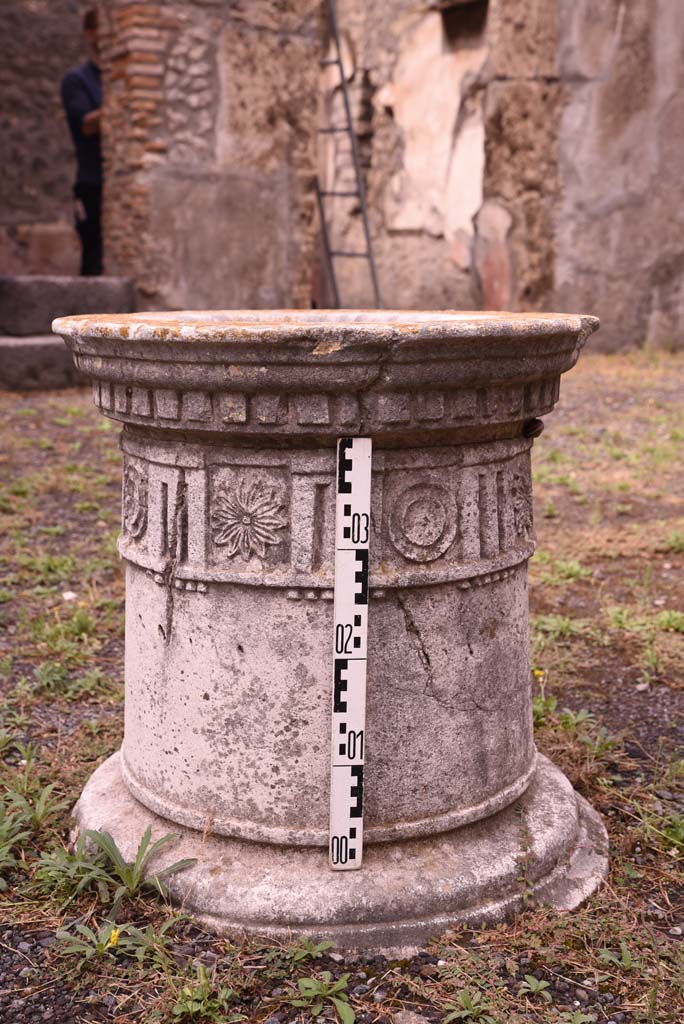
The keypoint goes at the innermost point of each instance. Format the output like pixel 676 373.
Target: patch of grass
pixel 670 621
pixel 555 629
pixel 49 568
pixel 561 571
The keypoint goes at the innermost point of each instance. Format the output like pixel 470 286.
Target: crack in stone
pixel 414 633
pixel 176 549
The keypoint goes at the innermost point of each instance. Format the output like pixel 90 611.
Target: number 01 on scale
pixel 352 535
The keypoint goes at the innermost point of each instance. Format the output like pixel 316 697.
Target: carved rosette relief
pixel 134 501
pixel 248 519
pixel 423 522
pixel 522 507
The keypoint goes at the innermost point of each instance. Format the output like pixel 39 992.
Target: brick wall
pixel 209 129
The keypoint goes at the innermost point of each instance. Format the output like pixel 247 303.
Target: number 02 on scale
pixel 352 535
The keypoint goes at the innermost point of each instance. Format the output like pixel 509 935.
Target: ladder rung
pixel 350 255
pixel 346 194
pixel 330 131
pixel 330 60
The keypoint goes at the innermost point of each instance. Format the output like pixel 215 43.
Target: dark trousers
pixel 89 228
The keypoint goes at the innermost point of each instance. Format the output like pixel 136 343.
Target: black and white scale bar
pixel 352 535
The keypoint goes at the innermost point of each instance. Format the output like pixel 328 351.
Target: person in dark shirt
pixel 82 99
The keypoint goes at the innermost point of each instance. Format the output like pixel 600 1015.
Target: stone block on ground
pixel 28 305
pixel 36 361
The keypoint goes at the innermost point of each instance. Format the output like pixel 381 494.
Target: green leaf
pixel 344 1010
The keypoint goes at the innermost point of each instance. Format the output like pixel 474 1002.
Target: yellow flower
pixel 113 938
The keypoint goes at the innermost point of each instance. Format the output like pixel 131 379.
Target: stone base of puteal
pixel 549 848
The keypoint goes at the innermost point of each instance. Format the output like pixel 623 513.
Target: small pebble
pixel 379 996
pixel 409 1017
pixel 581 995
pixel 25 947
pixel 336 958
pixel 360 990
pixel 675 931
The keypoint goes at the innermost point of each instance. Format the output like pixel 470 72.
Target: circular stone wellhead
pixel 229 427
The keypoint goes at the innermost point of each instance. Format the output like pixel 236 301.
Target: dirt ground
pixel 607 604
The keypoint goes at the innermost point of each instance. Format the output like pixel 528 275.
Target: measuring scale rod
pixel 352 535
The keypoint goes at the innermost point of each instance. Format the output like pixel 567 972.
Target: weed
pixel 66 874
pixel 550 510
pixel 673 543
pixel 91 684
pixel 205 1000
pixel 36 809
pixel 670 621
pixel 534 987
pixel 87 945
pixel 49 568
pixel 12 835
pixel 599 742
pixel 470 1008
pixel 651 661
pixel 564 571
pixel 314 993
pixel 51 677
pixel 623 959
pixel 571 721
pixel 673 830
pixel 556 628
pixel 542 708
pixel 130 875
pixel 149 944
pixel 52 531
pixel 304 949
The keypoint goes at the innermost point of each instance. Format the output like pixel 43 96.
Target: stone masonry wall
pixel 619 221
pixel 39 41
pixel 209 142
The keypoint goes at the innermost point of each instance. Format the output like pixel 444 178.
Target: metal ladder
pixel 359 192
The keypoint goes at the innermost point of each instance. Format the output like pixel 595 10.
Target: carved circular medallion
pixel 134 501
pixel 423 522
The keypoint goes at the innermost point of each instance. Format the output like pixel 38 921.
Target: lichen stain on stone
pixel 327 347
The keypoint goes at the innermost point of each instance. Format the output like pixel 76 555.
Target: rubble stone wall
pixel 209 150
pixel 39 41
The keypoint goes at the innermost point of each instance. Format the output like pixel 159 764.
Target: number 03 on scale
pixel 352 535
